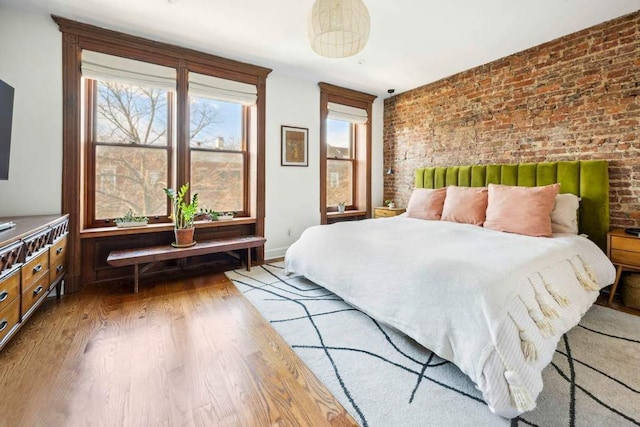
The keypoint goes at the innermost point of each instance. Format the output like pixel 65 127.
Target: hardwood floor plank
pixel 189 352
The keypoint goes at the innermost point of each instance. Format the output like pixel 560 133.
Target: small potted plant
pixel 130 219
pixel 208 214
pixel 184 214
pixel 226 215
pixel 342 206
pixel 390 204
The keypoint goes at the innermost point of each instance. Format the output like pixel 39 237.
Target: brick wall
pixel 577 97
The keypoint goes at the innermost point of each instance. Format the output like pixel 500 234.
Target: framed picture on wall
pixel 295 144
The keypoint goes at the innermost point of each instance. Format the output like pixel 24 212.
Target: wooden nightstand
pixel 385 212
pixel 624 252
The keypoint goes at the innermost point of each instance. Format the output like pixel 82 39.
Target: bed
pixel 495 304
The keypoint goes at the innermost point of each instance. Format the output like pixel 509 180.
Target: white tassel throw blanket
pixel 493 303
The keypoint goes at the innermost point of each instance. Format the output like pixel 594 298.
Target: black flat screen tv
pixel 6 117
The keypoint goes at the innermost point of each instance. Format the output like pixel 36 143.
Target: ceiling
pixel 412 42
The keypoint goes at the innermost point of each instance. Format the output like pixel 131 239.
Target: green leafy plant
pixel 209 214
pixel 388 202
pixel 130 216
pixel 184 213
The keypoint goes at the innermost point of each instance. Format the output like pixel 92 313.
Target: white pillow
pixel 564 216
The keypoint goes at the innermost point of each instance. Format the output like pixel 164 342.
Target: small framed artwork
pixel 295 144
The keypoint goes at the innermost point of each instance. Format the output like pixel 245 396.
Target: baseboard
pixel 275 253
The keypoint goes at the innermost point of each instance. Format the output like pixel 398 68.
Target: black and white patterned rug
pixel 383 378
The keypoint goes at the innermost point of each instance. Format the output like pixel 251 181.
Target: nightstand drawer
pixel 387 212
pixel 384 213
pixel 625 257
pixel 630 244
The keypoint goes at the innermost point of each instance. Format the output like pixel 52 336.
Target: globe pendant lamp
pixel 338 28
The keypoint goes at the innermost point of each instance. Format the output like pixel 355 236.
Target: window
pixel 132 148
pixel 159 66
pixel 218 153
pixel 345 153
pixel 340 163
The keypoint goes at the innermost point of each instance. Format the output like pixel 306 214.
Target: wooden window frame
pixel 362 149
pixel 77 36
pixel 353 132
pixel 91 111
pixel 246 159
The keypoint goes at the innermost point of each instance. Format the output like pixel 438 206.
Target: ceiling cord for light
pixel 338 28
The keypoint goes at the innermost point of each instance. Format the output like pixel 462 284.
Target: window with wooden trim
pixel 132 153
pixel 345 152
pixel 130 149
pixel 341 164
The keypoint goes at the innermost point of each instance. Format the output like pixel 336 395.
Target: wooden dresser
pixel 33 262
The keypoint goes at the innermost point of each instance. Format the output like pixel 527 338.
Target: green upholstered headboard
pixel 588 179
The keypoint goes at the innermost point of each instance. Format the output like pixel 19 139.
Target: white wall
pixel 31 62
pixel 293 193
pixel 31 59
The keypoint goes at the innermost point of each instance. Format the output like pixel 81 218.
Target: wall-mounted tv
pixel 6 117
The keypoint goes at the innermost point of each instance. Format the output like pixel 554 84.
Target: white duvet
pixel 493 303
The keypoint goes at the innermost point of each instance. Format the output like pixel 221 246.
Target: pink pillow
pixel 521 210
pixel 467 205
pixel 426 204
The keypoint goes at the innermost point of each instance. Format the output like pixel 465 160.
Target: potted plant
pixel 342 206
pixel 390 204
pixel 208 214
pixel 184 214
pixel 226 215
pixel 211 215
pixel 130 219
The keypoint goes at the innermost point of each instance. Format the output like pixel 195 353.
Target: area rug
pixel 384 378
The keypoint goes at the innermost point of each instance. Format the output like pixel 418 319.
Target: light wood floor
pixel 188 352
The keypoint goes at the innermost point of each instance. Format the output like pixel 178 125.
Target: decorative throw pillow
pixel 521 210
pixel 426 204
pixel 467 205
pixel 564 216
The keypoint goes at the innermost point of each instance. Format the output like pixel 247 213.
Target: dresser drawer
pixel 625 257
pixel 58 258
pixel 35 243
pixel 9 289
pixel 9 318
pixel 630 244
pixel 35 293
pixel 35 269
pixel 10 256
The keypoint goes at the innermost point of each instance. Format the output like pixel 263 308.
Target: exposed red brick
pixel 576 97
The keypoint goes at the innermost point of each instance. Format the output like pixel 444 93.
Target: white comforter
pixel 493 303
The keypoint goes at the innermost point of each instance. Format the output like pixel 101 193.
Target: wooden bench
pixel 153 254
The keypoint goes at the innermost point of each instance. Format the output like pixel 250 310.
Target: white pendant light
pixel 338 28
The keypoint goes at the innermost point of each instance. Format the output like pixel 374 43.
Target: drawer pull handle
pixel 59 250
pixel 37 268
pixel 37 290
pixel 4 295
pixel 3 325
pixel 59 268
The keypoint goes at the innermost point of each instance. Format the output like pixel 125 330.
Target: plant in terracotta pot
pixel 184 214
